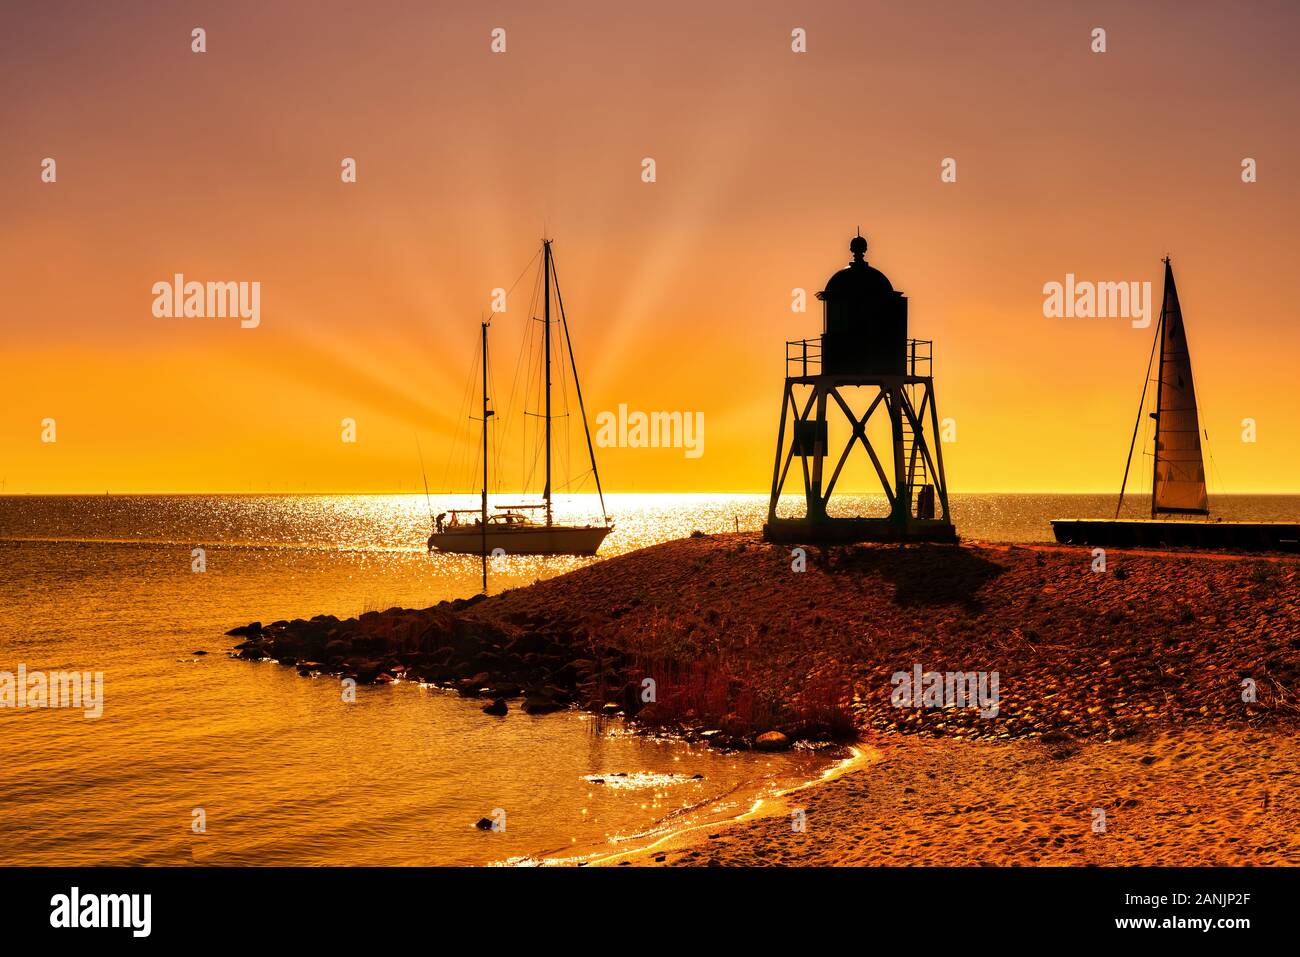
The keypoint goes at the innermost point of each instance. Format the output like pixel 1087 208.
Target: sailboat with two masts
pixel 514 529
pixel 1178 464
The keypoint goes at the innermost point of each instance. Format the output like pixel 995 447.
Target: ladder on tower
pixel 915 473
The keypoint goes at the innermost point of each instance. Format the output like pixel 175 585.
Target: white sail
pixel 1179 478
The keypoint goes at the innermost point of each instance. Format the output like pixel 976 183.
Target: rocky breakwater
pixel 536 662
pixel 720 638
pixel 527 659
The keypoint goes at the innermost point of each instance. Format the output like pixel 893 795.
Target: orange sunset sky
pixel 225 166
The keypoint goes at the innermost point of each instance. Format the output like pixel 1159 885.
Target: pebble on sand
pixel 771 741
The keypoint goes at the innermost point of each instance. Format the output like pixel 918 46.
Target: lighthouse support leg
pixel 798 421
pixel 816 507
pixel 778 478
pixel 938 451
pixel 902 509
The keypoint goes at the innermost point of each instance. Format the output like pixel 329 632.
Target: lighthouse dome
pixel 858 281
pixel 864 328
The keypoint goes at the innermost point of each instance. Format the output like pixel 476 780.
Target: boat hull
pixel 1151 533
pixel 528 540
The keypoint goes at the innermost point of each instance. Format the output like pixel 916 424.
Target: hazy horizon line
pixel 761 493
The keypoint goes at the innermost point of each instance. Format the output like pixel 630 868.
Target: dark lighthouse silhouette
pixel 863 353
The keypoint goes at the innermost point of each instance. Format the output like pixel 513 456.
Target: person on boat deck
pixel 438 520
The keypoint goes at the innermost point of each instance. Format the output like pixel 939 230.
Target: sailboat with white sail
pixel 1178 463
pixel 519 529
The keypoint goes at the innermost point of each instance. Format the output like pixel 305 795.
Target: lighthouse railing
pixel 920 357
pixel 803 357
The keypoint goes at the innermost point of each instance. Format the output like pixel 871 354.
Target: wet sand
pixel 1219 797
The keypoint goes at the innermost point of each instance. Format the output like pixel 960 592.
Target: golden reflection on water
pixel 383 524
pixel 284 770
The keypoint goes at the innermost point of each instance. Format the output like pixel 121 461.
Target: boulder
pixel 336 649
pixel 433 675
pixel 529 643
pixel 771 741
pixel 631 696
pixel 557 694
pixel 812 731
pixel 539 703
pixel 472 686
pixel 366 670
pixel 497 708
pixel 247 631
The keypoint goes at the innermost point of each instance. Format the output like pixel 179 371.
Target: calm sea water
pixel 283 770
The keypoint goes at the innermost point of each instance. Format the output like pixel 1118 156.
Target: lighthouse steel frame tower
pixel 863 350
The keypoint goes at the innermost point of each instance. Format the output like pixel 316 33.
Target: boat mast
pixel 1142 404
pixel 1160 383
pixel 546 335
pixel 483 521
pixel 573 364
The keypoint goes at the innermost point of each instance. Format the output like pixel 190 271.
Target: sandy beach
pixel 1216 797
